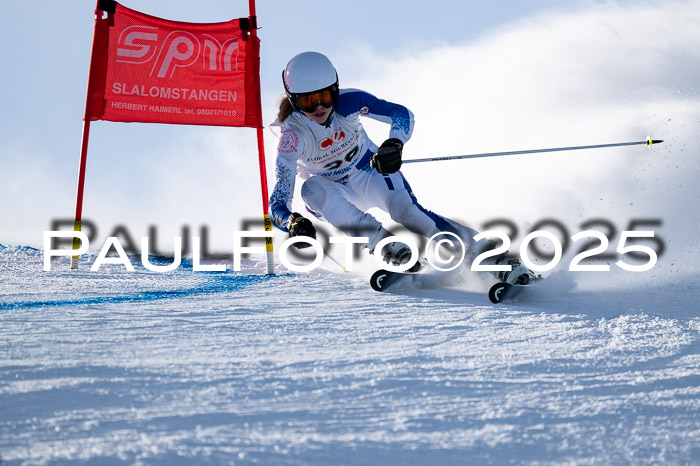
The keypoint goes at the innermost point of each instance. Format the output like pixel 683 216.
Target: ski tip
pixel 377 282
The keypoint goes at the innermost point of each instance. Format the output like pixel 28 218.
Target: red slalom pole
pixel 261 145
pixel 77 224
pixel 98 37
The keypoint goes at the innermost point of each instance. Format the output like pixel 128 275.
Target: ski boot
pixel 518 275
pixel 395 252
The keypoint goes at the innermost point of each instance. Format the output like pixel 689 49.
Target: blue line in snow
pixel 222 283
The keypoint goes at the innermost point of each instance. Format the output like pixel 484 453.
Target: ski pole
pixel 342 267
pixel 649 141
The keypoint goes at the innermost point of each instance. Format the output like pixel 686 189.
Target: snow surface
pixel 113 367
pixel 186 367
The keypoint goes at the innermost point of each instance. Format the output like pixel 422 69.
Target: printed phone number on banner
pixel 164 109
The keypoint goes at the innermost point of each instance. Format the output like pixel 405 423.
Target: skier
pixel 345 173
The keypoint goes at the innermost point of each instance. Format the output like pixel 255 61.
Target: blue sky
pixel 55 41
pixel 44 94
pixel 480 76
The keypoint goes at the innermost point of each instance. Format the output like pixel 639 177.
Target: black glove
pixel 300 226
pixel 387 159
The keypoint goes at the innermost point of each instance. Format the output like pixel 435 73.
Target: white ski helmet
pixel 308 73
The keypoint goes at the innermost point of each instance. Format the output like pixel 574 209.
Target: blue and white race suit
pixel 334 160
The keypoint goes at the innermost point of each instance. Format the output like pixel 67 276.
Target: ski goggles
pixel 309 102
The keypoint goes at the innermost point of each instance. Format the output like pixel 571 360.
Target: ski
pixel 502 291
pixel 383 280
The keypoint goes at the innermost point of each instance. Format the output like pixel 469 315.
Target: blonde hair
pixel 286 108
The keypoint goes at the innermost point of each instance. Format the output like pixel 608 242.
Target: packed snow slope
pixel 117 367
pixel 186 367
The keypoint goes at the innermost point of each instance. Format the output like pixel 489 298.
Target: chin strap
pixel 327 124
